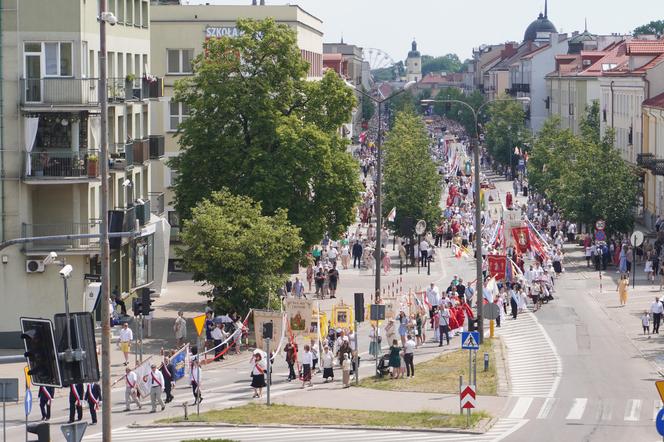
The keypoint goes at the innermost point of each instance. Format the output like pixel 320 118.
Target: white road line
pixel 547 406
pixel 521 408
pixel 604 411
pixel 577 410
pixel 655 409
pixel 633 410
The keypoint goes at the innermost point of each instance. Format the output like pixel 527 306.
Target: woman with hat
pixel 258 374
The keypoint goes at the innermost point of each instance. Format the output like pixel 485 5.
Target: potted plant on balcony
pixel 93 162
pixel 129 86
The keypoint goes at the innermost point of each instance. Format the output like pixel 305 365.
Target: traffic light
pixel 146 302
pixel 81 364
pixel 40 351
pixel 472 325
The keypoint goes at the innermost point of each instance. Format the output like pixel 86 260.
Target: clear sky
pixel 444 26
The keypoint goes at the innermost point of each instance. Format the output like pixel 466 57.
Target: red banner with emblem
pixel 521 239
pixel 497 266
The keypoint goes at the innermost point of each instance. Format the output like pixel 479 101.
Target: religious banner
pixel 300 314
pixel 391 307
pixel 179 362
pixel 497 266
pixel 521 239
pixel 263 316
pixel 342 316
pixel 144 379
pixel 495 210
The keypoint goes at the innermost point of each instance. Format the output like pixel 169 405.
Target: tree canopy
pixel 411 180
pixel 584 176
pixel 449 63
pixel 505 129
pixel 459 112
pixel 231 245
pixel 655 27
pixel 257 127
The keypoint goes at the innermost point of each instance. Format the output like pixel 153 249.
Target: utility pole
pixel 105 253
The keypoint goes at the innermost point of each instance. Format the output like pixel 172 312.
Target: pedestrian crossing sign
pixel 470 340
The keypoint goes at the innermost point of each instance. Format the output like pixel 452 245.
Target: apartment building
pixel 49 162
pixel 178 32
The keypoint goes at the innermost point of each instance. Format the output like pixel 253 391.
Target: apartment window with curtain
pixel 58 59
pixel 137 12
pixel 178 113
pixel 144 14
pixel 179 61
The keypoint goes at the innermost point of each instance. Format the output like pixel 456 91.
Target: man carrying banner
pixel 45 398
pixel 156 388
pixel 168 372
pixel 130 389
pixel 75 405
pixel 93 396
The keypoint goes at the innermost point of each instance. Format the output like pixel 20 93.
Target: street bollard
pixel 429 267
pixel 400 266
pixel 486 361
pixel 186 414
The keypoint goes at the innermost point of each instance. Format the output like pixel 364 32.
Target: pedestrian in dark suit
pixel 76 393
pixel 93 396
pixel 168 371
pixel 45 397
pixel 357 254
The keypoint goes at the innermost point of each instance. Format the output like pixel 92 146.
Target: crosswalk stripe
pixel 521 408
pixel 604 411
pixel 547 406
pixel 633 410
pixel 577 410
pixel 655 409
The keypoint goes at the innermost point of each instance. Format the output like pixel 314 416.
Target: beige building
pixel 652 158
pixel 177 35
pixel 49 162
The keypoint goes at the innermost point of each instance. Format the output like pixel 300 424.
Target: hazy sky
pixel 443 26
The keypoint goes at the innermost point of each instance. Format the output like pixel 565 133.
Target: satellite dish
pixel 421 227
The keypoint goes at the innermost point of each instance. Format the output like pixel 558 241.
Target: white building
pixel 414 64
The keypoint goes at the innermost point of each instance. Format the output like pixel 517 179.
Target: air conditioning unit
pixel 34 266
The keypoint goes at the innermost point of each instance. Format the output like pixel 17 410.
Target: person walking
pixel 258 374
pixel 408 353
pixel 76 392
pixel 443 325
pixel 167 371
pixel 218 336
pixel 156 381
pixel 514 302
pixel 374 341
pixel 395 359
pixel 656 309
pixel 333 280
pixel 195 376
pixel 180 329
pixel 126 337
pixel 93 396
pixel 345 367
pixel 307 362
pixel 327 362
pixel 45 398
pixel 622 289
pixel 645 322
pixel 290 351
pixel 131 389
pixel 298 288
pixel 357 254
pixel 310 276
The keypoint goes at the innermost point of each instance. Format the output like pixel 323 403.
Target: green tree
pixel 242 253
pixel 449 63
pixel 368 108
pixel 257 127
pixel 506 129
pixel 459 112
pixel 411 180
pixel 655 27
pixel 589 124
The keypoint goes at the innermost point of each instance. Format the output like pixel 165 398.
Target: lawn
pixel 258 414
pixel 441 374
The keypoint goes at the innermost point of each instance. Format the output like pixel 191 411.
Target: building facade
pixel 177 35
pixel 653 158
pixel 414 64
pixel 50 136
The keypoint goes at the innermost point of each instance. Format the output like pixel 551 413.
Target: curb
pixel 485 425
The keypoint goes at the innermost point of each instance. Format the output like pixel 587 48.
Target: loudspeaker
pixel 377 312
pixel 267 330
pixel 359 307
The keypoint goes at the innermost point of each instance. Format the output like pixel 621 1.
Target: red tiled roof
pixel 653 47
pixel 657 101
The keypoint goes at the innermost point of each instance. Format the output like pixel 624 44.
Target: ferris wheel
pixel 378 59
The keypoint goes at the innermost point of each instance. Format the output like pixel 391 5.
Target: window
pixel 179 61
pixel 84 59
pixel 178 112
pixel 58 58
pixel 121 11
pixel 130 13
pixel 144 14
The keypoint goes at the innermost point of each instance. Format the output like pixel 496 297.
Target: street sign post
pixel 491 312
pixel 468 397
pixel 74 432
pixel 636 239
pixel 659 422
pixel 199 322
pixel 660 389
pixel 470 340
pixel 9 390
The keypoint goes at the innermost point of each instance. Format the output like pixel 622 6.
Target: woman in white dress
pixel 523 300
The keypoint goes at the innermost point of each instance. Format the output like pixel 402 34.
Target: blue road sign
pixel 470 340
pixel 659 422
pixel 28 401
pixel 600 235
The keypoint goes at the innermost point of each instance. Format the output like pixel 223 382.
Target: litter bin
pixel 42 430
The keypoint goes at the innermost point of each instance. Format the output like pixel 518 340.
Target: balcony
pixel 63 245
pixel 156 203
pixel 63 165
pixel 156 146
pixel 118 160
pixel 140 151
pixel 649 162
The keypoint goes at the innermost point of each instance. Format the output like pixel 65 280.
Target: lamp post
pixel 478 211
pixel 379 157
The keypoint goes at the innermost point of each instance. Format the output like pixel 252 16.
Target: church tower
pixel 414 64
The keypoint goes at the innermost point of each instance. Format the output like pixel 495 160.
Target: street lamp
pixel 478 212
pixel 379 143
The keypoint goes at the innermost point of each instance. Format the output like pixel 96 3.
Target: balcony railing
pixel 63 164
pixel 141 151
pixel 157 203
pixel 91 227
pixel 85 91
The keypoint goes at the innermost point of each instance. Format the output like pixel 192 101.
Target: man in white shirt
pixel 656 309
pixel 571 232
pixel 408 353
pixel 156 380
pixel 130 389
pixel 195 376
pixel 433 298
pixel 332 255
pixel 126 336
pixel 219 335
pixel 424 252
